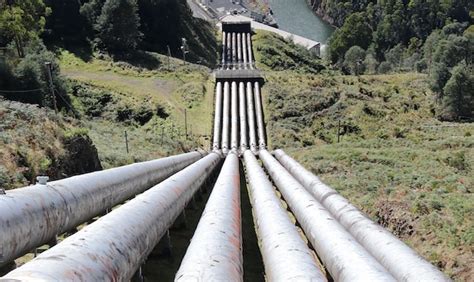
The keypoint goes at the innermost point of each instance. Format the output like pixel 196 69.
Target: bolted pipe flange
pixel 42 180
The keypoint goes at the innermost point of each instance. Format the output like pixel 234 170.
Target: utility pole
pixel 169 56
pixel 338 131
pixel 126 141
pixel 184 48
pixel 51 86
pixel 185 125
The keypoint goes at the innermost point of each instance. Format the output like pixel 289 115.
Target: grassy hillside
pixel 34 141
pixel 394 160
pixel 146 101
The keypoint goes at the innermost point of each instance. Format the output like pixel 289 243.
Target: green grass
pixel 114 97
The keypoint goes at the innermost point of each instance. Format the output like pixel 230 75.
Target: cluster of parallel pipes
pixel 150 196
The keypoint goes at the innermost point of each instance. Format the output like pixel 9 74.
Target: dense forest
pixel 33 31
pixel 434 37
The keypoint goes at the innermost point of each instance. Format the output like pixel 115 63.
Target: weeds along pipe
pixel 32 216
pixel 259 112
pixel 243 118
pixel 225 119
pixel 224 48
pixel 217 117
pixel 251 118
pixel 239 50
pixel 345 259
pixel 113 248
pixel 215 252
pixel 234 140
pixel 399 259
pixel 285 255
pixel 244 50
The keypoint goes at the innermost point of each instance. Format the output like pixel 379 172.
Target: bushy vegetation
pixel 394 160
pixel 273 52
pixel 35 141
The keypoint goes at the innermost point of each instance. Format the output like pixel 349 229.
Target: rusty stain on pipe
pixel 34 215
pixel 113 247
pixel 215 252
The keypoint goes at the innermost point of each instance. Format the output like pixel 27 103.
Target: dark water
pixel 295 16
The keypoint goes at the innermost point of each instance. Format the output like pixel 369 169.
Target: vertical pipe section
pixel 239 50
pixel 225 118
pixel 259 112
pixel 34 215
pixel 224 48
pixel 215 252
pixel 113 248
pixel 244 50
pixel 402 262
pixel 234 50
pixel 229 51
pixel 217 117
pixel 251 118
pixel 285 255
pixel 345 259
pixel 234 140
pixel 243 117
pixel 249 47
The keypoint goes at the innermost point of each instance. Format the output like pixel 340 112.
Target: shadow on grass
pixel 140 59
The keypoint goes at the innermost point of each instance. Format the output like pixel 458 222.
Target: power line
pixel 20 91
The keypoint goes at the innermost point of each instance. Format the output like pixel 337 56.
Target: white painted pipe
pixel 251 119
pixel 225 118
pixel 243 118
pixel 234 50
pixel 229 51
pixel 249 46
pixel 239 50
pixel 234 139
pixel 340 252
pixel 114 247
pixel 34 215
pixel 217 117
pixel 215 252
pixel 259 113
pixel 402 261
pixel 285 255
pixel 224 48
pixel 244 50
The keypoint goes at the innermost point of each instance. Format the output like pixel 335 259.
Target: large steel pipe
pixel 112 248
pixel 402 261
pixel 243 117
pixel 32 216
pixel 251 118
pixel 244 50
pixel 259 112
pixel 229 50
pixel 234 50
pixel 285 255
pixel 224 48
pixel 215 252
pixel 225 118
pixel 345 259
pixel 249 47
pixel 239 50
pixel 234 140
pixel 217 117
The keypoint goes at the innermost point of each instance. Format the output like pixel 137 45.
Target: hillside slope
pixel 394 160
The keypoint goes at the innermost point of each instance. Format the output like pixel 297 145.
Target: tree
pixel 371 63
pixel 117 26
pixel 355 31
pixel 395 56
pixel 458 98
pixel 354 60
pixel 22 20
